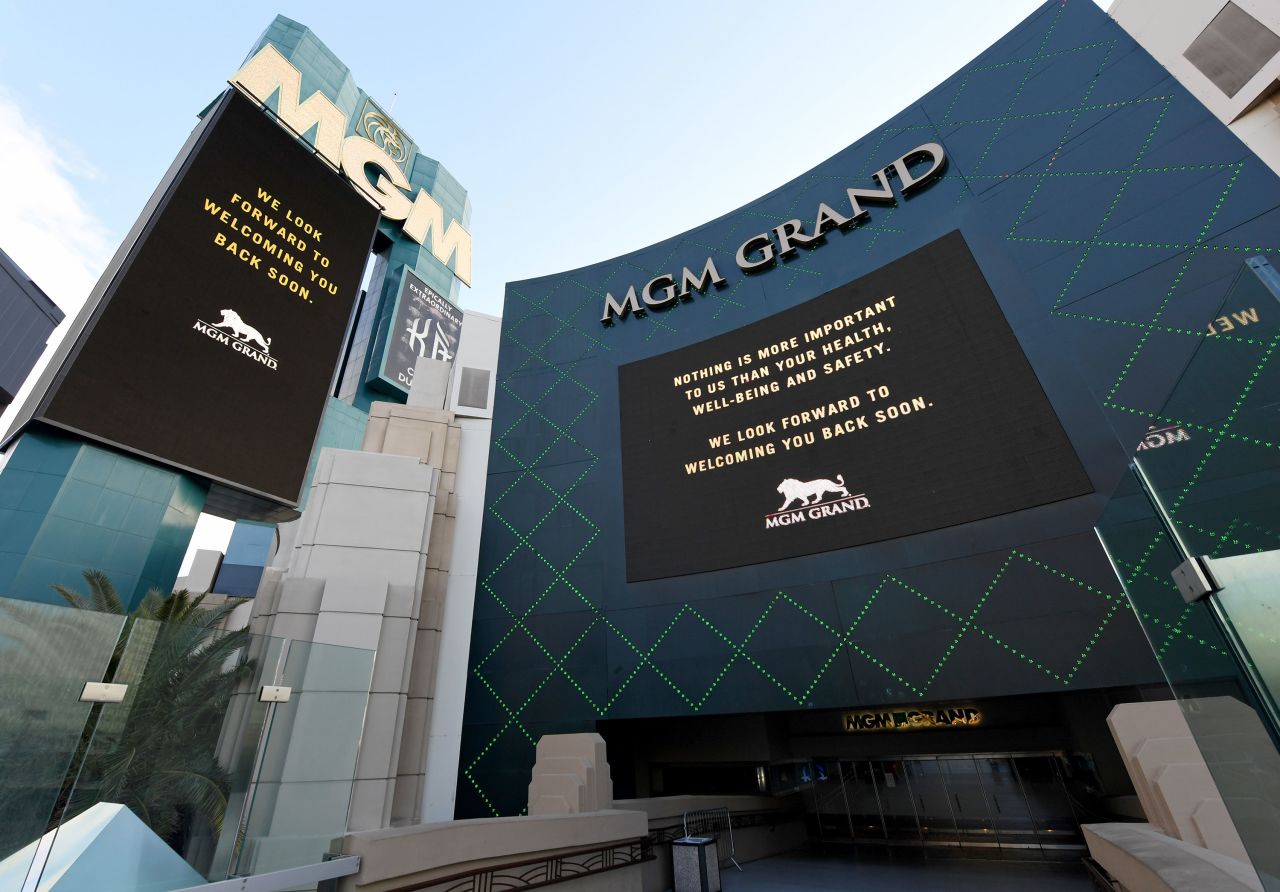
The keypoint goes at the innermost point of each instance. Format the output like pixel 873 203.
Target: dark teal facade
pixel 1108 211
pixel 67 506
pixel 27 318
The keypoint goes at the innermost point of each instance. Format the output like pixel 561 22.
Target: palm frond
pixel 71 597
pixel 102 593
pixel 161 759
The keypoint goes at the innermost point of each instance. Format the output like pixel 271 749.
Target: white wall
pixel 478 349
pixel 1165 28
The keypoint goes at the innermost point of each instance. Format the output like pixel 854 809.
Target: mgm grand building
pixel 816 500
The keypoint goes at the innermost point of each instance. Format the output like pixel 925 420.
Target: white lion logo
pixel 810 492
pixel 242 330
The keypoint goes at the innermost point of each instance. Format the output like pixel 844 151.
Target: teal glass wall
pixel 67 506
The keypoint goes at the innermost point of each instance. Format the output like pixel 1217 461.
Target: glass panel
pixel 1207 480
pixel 243 737
pixel 190 776
pixel 300 797
pixel 936 809
pixel 47 653
pixel 969 803
pixel 829 799
pixel 1197 659
pixel 1215 463
pixel 154 781
pixel 864 803
pixel 1011 820
pixel 1041 783
pixel 1191 651
pixel 901 822
pixel 1250 602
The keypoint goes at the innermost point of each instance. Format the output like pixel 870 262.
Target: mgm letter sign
pixel 268 72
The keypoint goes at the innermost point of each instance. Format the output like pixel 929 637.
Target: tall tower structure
pixel 111 465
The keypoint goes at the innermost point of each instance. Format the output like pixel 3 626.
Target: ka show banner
pixel 424 324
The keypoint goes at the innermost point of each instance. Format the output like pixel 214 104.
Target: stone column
pixel 570 775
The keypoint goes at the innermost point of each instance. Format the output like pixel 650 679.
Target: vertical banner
pixel 425 323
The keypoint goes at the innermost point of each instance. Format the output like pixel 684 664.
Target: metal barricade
pixel 714 822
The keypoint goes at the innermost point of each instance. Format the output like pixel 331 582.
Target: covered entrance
pixel 989 805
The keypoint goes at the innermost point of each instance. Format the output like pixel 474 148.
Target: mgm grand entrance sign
pixel 760 252
pixel 929 718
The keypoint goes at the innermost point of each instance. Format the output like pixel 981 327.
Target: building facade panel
pixel 27 318
pixel 1108 212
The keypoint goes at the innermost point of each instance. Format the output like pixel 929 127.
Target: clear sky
pixel 581 130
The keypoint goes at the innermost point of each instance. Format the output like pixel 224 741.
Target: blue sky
pixel 581 130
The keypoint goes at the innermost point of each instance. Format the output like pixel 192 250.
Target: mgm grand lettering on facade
pixel 913 719
pixel 762 251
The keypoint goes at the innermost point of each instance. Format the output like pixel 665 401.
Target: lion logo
pixel 242 330
pixel 809 492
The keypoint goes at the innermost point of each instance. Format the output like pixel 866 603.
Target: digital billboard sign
pixel 214 347
pixel 898 403
pixel 425 323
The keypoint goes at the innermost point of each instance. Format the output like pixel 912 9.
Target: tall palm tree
pixel 156 753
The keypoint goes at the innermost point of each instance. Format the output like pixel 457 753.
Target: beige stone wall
pixel 417 856
pixel 367 566
pixel 433 437
pixel 1142 859
pixel 570 775
pixel 1170 776
pixel 1191 842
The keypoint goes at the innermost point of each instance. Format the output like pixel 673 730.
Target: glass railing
pixel 196 775
pixel 297 803
pixel 1203 500
pixel 46 655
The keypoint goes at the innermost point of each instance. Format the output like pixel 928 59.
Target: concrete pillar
pixel 444 733
pixel 367 566
pixel 570 775
pixel 377 561
pixel 1171 777
pixel 432 436
pixel 204 571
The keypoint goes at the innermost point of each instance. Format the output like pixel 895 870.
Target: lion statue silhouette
pixel 809 492
pixel 242 330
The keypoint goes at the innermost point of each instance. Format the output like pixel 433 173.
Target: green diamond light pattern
pixel 573 305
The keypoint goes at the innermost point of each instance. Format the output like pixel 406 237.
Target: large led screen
pixel 214 348
pixel 898 403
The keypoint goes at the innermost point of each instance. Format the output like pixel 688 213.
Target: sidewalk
pixel 873 873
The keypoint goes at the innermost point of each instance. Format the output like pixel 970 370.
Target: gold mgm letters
pixel 268 72
pixel 914 719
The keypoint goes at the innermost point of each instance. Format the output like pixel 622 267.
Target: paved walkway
pixel 799 872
